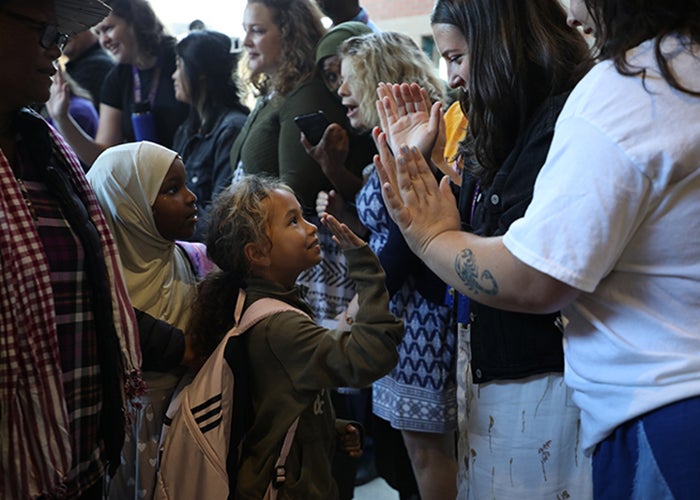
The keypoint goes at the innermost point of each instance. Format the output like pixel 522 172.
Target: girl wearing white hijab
pixel 141 189
pixel 129 183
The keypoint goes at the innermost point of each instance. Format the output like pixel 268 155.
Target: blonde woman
pixel 418 397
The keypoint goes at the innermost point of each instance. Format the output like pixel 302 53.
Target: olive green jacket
pixel 294 364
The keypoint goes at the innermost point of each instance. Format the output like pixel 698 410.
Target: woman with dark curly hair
pixel 137 100
pixel 518 432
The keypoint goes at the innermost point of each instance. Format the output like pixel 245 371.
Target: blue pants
pixel 652 457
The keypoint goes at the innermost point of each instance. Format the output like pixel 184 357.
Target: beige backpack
pixel 197 429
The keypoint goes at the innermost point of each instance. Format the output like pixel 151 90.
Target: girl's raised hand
pixel 342 234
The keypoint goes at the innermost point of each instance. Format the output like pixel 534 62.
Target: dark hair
pixel 340 11
pixel 520 53
pixel 299 22
pixel 210 69
pixel 238 216
pixel 197 24
pixel 623 24
pixel 151 37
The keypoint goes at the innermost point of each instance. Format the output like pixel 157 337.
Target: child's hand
pixel 332 150
pixel 190 359
pixel 351 441
pixel 330 202
pixel 342 234
pixel 346 318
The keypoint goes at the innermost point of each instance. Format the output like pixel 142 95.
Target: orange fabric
pixel 455 129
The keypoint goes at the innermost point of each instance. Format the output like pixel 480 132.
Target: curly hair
pixel 624 24
pixel 520 53
pixel 151 36
pixel 299 22
pixel 387 57
pixel 238 216
pixel 210 69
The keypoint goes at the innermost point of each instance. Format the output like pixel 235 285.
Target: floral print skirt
pixel 518 439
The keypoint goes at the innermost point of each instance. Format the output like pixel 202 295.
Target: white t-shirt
pixel 616 214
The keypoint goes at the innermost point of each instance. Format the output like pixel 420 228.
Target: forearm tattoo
pixel 468 272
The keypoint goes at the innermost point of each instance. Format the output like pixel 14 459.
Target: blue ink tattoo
pixel 468 272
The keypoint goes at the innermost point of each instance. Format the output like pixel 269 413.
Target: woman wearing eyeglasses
pixel 68 350
pixel 137 100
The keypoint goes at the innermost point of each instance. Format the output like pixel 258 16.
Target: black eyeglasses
pixel 48 33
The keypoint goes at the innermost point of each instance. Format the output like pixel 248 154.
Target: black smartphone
pixel 313 125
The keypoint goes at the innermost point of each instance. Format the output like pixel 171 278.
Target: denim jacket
pixel 206 159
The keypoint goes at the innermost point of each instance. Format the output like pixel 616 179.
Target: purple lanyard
pixel 474 198
pixel 154 84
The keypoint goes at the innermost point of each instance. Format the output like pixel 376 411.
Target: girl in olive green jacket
pixel 261 242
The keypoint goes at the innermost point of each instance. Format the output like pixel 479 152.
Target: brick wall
pixel 391 9
pixel 380 10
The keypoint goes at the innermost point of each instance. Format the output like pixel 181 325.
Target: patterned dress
pixel 419 394
pixel 327 286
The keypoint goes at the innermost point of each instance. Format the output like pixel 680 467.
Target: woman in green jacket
pixel 280 43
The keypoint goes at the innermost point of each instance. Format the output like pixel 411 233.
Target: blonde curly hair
pixel 388 57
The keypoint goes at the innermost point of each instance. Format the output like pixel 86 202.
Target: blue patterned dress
pixel 419 394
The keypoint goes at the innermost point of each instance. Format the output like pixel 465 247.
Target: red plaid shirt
pixel 46 424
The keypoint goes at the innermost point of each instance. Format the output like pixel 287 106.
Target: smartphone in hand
pixel 313 125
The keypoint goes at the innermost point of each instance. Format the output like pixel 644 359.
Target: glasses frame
pixel 49 34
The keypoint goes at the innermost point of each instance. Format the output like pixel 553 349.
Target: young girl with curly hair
pixel 261 241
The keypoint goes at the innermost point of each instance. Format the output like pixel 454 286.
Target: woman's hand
pixel 422 209
pixel 342 234
pixel 59 100
pixel 331 202
pixel 334 204
pixel 332 150
pixel 407 116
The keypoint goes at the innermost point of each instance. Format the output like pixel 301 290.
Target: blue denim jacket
pixel 206 158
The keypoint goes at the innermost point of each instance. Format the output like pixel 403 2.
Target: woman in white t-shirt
pixel 611 235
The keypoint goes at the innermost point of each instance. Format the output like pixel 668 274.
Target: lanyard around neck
pixel 477 192
pixel 154 84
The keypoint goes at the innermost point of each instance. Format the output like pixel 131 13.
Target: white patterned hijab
pixel 159 277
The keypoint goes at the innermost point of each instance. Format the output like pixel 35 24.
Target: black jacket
pixel 54 172
pixel 508 345
pixel 162 344
pixel 90 69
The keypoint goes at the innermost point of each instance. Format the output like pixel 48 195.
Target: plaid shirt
pixel 41 451
pixel 77 338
